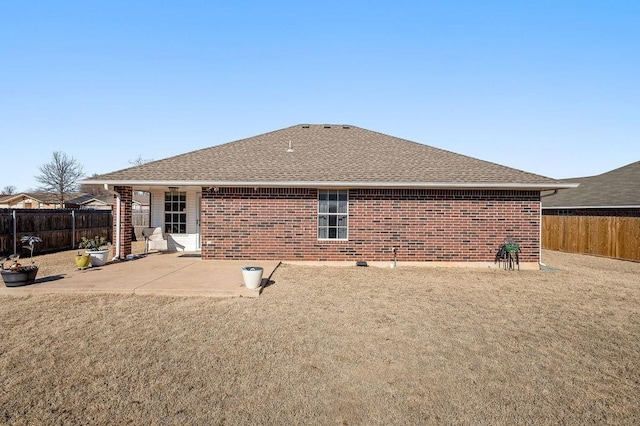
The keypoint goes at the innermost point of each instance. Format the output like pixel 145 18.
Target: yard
pixel 337 346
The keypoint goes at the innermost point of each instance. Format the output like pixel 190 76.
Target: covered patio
pixel 181 274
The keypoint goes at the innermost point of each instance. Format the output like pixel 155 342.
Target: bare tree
pixel 139 161
pixel 60 175
pixel 8 190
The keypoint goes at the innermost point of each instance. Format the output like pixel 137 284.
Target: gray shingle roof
pixel 616 188
pixel 43 197
pixel 85 198
pixel 325 155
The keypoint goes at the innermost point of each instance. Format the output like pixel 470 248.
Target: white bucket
pixel 252 276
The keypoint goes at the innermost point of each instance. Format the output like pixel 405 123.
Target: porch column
pixel 125 228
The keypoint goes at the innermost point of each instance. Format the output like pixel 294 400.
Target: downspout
pixel 117 254
pixel 555 191
pixel 540 237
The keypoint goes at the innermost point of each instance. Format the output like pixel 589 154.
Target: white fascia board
pixel 323 184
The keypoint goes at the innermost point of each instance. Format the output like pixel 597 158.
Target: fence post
pixel 73 229
pixel 15 232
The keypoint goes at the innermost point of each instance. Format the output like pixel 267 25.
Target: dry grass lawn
pixel 337 346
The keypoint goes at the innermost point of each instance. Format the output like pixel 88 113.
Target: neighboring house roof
pixel 105 199
pixel 616 188
pixel 326 156
pixel 41 197
pixel 84 199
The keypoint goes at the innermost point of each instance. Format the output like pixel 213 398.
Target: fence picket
pixel 55 227
pixel 616 237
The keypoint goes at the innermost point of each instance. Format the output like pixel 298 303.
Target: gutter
pixel 338 184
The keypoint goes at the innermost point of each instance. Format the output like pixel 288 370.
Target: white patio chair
pixel 154 239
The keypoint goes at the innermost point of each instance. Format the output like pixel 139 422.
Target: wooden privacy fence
pixel 140 221
pixel 60 229
pixel 616 237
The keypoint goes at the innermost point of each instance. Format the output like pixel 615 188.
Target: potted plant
pixel 98 248
pixel 16 274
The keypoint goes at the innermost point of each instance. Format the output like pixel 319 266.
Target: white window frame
pixel 173 213
pixel 335 214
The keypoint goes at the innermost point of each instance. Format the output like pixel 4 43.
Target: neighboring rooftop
pixel 325 155
pixel 616 188
pixel 106 198
pixel 43 197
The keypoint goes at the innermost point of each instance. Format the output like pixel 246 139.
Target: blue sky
pixel 550 87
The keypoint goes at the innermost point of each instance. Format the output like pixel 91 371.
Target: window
pixel 175 216
pixel 332 214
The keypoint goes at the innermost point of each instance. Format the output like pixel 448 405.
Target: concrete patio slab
pixel 171 274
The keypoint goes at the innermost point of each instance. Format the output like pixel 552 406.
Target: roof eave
pixel 326 184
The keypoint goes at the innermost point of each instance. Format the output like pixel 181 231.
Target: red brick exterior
pixel 425 225
pixel 126 219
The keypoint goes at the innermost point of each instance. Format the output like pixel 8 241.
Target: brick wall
pixel 126 219
pixel 425 225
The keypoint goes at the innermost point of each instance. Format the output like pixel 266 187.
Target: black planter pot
pixel 26 275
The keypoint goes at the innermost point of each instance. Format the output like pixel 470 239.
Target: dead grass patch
pixel 337 345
